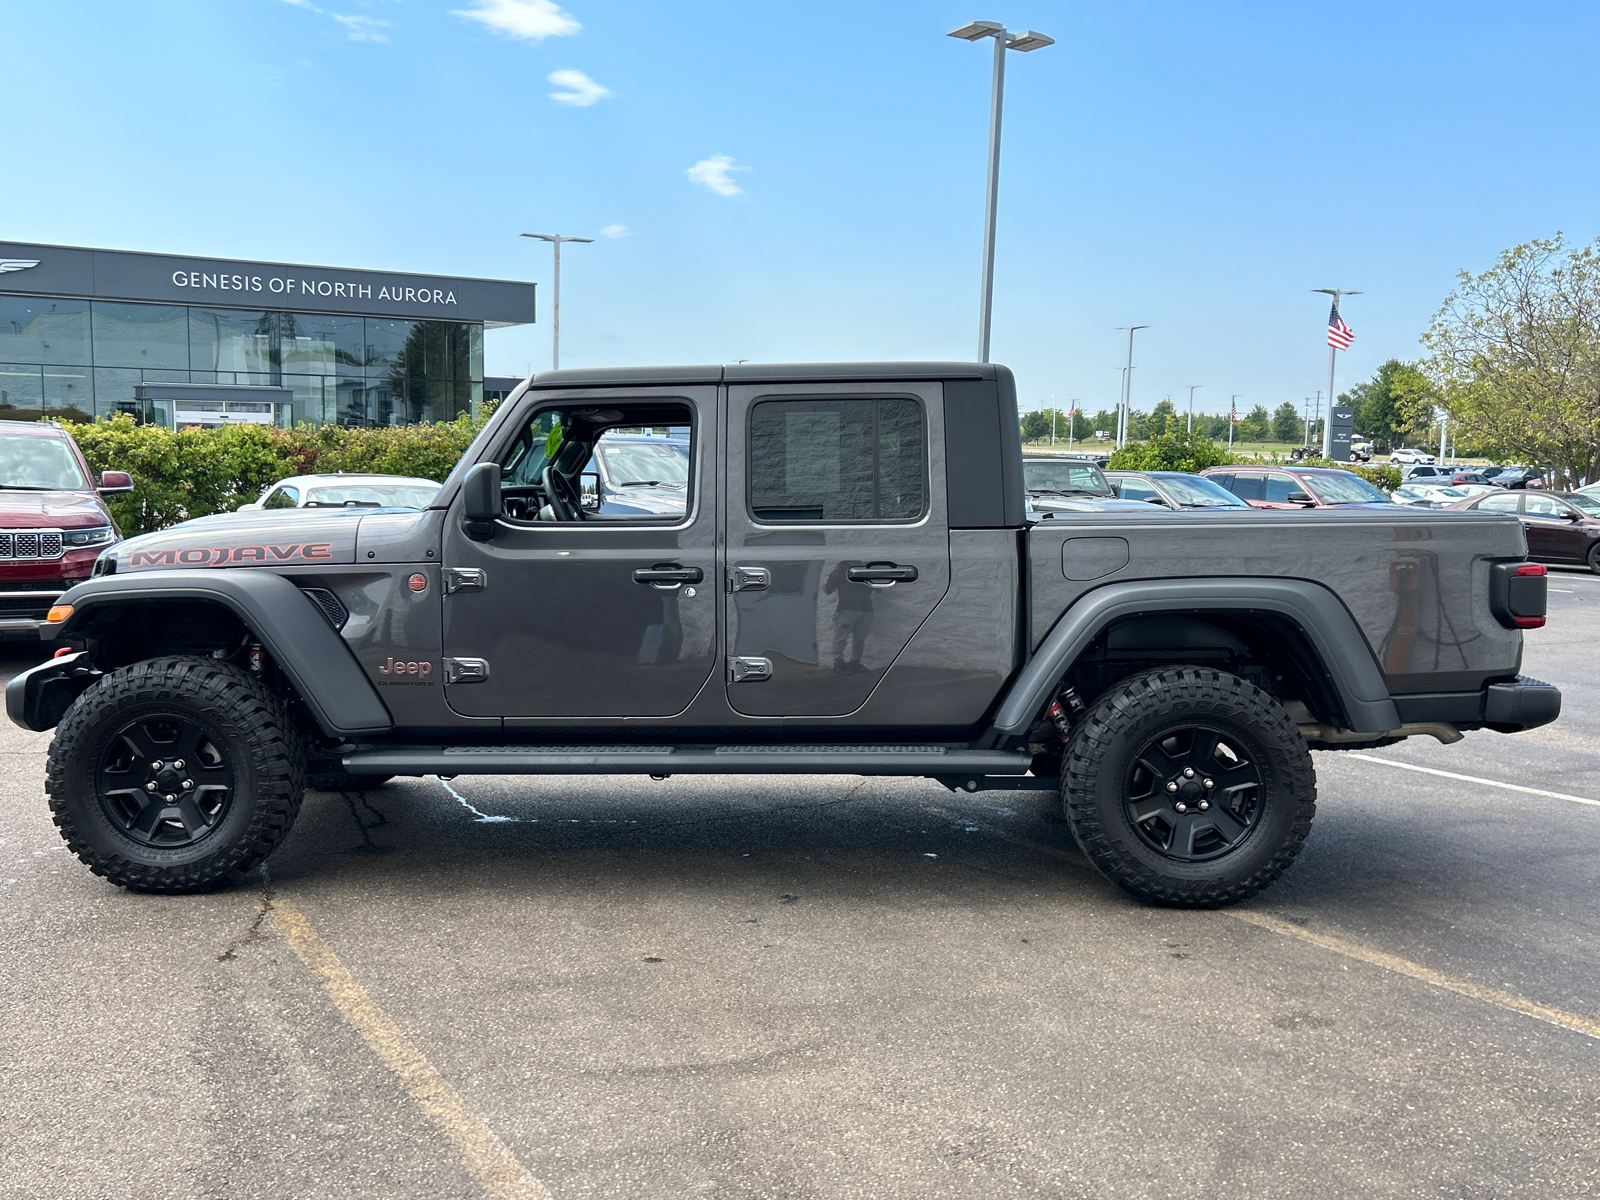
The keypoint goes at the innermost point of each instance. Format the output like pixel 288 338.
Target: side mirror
pixel 1156 500
pixel 590 489
pixel 480 500
pixel 1300 498
pixel 1572 515
pixel 113 483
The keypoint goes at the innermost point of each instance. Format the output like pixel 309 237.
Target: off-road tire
pixel 1101 764
pixel 249 727
pixel 340 781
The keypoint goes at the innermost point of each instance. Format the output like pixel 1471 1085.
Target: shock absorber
pixel 1065 711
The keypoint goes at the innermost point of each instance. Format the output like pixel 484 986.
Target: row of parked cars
pixel 1561 527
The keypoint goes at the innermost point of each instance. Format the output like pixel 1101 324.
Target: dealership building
pixel 87 333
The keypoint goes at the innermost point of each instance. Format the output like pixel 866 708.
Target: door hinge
pixel 466 670
pixel 748 670
pixel 747 579
pixel 464 579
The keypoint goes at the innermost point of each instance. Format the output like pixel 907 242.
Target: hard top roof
pixel 764 373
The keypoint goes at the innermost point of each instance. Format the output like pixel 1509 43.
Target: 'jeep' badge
pixel 395 667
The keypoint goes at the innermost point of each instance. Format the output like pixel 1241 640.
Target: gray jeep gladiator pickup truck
pixel 851 588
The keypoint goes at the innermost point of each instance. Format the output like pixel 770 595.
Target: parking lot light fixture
pixel 1192 388
pixel 1124 414
pixel 1022 42
pixel 555 240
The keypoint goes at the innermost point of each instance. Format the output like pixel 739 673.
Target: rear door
pixel 1552 534
pixel 837 539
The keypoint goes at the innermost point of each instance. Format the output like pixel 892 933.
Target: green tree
pixel 1286 423
pixel 1252 427
pixel 1395 405
pixel 1516 352
pixel 1175 451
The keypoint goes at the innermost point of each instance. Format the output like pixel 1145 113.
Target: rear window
pixel 1064 477
pixel 838 460
pixel 32 462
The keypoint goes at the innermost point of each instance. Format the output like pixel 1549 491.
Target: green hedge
pixel 196 472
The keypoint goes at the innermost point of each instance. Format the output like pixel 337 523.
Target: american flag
pixel 1339 335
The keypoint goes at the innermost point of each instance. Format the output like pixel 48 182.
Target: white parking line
pixel 1510 787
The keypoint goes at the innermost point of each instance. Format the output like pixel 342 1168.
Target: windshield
pixel 1193 491
pixel 368 495
pixel 1064 477
pixel 638 464
pixel 1588 504
pixel 1340 487
pixel 39 462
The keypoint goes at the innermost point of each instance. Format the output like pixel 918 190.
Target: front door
pixel 1552 535
pixel 837 539
pixel 567 610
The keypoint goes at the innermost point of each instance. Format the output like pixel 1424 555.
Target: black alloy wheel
pixel 1188 786
pixel 1594 558
pixel 1193 792
pixel 164 781
pixel 176 774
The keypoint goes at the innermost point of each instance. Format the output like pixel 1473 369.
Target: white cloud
pixel 713 173
pixel 363 29
pixel 579 91
pixel 306 4
pixel 525 20
pixel 616 231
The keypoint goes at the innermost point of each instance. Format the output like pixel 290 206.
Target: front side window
pixel 828 461
pixel 39 464
pixel 1543 506
pixel 603 463
pixel 1279 487
pixel 1134 489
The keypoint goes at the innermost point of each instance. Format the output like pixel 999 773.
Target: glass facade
pixel 76 360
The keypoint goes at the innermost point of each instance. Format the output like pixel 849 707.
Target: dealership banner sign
pixel 124 275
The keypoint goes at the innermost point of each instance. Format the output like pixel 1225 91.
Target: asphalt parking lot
pixel 818 987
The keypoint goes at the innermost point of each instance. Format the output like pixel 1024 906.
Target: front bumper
pixel 38 698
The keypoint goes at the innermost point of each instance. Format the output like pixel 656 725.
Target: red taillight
pixel 1532 569
pixel 1528 622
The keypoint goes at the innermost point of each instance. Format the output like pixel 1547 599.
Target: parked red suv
pixel 53 523
pixel 1296 487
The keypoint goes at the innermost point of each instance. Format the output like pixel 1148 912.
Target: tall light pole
pixel 555 240
pixel 1192 388
pixel 1127 388
pixel 1003 40
pixel 1333 350
pixel 1232 411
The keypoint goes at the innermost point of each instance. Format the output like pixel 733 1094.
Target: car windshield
pixel 1587 504
pixel 645 464
pixel 372 495
pixel 1193 491
pixel 1065 477
pixel 30 461
pixel 1341 487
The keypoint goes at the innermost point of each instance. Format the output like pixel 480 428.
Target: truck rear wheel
pixel 1189 787
pixel 175 775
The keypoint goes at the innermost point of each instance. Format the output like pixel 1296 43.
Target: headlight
pixel 95 535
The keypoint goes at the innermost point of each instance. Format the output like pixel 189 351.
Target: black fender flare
pixel 1346 658
pixel 286 622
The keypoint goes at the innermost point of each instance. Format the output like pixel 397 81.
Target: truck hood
pixel 49 509
pixel 281 537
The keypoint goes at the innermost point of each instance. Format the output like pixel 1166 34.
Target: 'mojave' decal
pixel 222 556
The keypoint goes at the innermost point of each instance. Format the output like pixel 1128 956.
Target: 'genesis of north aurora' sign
pixel 162 278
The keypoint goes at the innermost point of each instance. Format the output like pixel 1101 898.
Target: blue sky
pixel 1196 167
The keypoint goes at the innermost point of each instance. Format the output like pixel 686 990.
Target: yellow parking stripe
pixel 1377 958
pixel 1401 966
pixel 487 1159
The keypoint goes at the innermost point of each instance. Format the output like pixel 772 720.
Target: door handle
pixel 881 574
pixel 668 575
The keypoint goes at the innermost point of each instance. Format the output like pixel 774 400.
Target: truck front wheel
pixel 1189 787
pixel 175 775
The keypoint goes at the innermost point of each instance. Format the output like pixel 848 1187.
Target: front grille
pixel 25 606
pixel 16 545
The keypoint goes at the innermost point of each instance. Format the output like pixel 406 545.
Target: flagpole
pixel 1333 351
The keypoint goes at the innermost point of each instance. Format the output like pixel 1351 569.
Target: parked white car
pixel 347 491
pixel 1404 454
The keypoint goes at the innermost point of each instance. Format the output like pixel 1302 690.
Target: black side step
pixel 685 760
